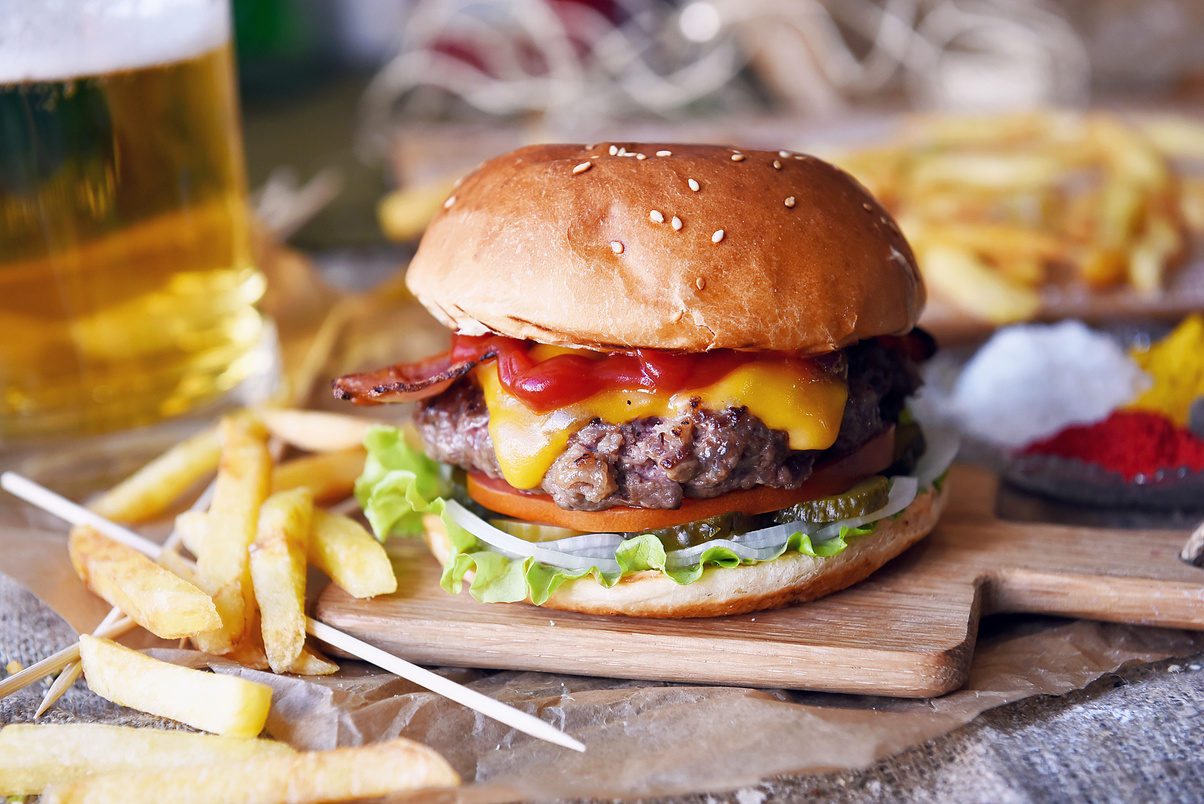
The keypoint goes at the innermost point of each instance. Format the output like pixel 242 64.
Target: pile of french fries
pixel 242 598
pixel 1002 208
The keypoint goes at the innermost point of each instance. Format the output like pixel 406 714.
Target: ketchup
pixel 563 379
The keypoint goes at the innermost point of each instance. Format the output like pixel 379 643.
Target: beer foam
pixel 45 41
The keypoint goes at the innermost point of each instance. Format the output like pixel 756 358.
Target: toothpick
pixel 72 672
pixel 58 689
pixel 529 724
pixel 57 661
pixel 436 683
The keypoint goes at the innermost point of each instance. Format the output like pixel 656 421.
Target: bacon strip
pixel 405 382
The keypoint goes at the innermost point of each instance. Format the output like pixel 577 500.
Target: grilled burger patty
pixel 655 462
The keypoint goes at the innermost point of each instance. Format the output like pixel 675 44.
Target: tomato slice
pixel 832 478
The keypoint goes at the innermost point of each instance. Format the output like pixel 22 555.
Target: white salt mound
pixel 1030 381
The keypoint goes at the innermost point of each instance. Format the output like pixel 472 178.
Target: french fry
pixel 350 556
pixel 312 663
pixel 339 546
pixel 995 171
pixel 329 476
pixel 1127 153
pixel 191 527
pixel 1191 202
pixel 314 431
pixel 249 652
pixel 34 756
pixel 1104 267
pixel 404 213
pixel 208 701
pixel 223 564
pixel 152 489
pixel 1005 241
pixel 1149 258
pixel 162 603
pixel 1177 137
pixel 177 565
pixel 278 573
pixel 969 282
pixel 318 776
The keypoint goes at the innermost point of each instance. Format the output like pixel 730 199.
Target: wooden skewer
pixel 58 689
pixel 56 662
pixel 528 724
pixel 73 671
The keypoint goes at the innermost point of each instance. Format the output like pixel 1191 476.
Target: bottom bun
pixel 792 578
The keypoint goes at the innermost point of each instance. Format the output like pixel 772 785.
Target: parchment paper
pixel 643 739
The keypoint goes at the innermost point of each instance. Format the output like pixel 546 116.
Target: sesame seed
pixel 715 238
pixel 584 166
pixel 790 202
pixel 614 149
pixel 622 151
pixel 737 157
pixel 664 153
pixel 616 246
pixel 700 283
pixel 800 156
pixel 451 199
pixel 656 216
pixel 676 223
pixel 641 157
pixel 783 154
pixel 777 165
pixel 695 186
pixel 866 206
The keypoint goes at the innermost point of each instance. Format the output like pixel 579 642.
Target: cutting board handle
pixel 1127 576
pixel 1137 600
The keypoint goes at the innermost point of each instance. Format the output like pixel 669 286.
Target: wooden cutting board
pixel 907 631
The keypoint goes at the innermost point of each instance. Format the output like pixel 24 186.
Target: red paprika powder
pixel 1128 442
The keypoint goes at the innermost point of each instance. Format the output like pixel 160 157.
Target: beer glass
pixel 127 285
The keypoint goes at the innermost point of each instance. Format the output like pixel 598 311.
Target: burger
pixel 677 384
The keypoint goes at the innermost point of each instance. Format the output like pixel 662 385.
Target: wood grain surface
pixel 907 631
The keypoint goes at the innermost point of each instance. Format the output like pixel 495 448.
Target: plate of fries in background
pixel 1045 215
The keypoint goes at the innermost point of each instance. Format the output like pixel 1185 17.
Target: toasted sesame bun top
pixel 689 247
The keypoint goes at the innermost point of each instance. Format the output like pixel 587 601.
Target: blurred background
pixel 393 94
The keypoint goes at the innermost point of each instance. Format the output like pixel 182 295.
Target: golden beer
pixel 127 286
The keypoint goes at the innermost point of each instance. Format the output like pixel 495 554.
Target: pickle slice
pixel 867 496
pixel 533 531
pixel 689 534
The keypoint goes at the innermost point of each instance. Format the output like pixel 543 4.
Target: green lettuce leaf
pixel 400 485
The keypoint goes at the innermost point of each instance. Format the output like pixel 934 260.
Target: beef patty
pixel 655 462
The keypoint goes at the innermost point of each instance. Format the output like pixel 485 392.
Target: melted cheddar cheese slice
pixel 805 402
